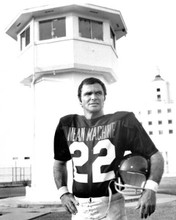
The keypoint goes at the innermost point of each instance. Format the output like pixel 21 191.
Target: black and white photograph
pixel 87 110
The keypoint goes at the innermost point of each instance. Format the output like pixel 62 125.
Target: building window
pixel 170 131
pixel 50 29
pixel 25 38
pixel 159 97
pixel 149 112
pixel 113 38
pixel 169 110
pixel 150 132
pixel 160 132
pixel 169 121
pixel 150 123
pixel 90 29
pixel 159 111
pixel 160 122
pixel 158 89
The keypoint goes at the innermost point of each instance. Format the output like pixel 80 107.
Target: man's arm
pixel 60 177
pixel 60 173
pixel 147 202
pixel 157 167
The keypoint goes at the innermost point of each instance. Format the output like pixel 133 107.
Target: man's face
pixel 92 99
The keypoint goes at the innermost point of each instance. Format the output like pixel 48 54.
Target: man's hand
pixel 147 203
pixel 69 203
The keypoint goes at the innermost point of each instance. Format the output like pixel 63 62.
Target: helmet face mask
pixel 132 174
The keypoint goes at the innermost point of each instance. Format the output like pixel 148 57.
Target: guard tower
pixel 60 45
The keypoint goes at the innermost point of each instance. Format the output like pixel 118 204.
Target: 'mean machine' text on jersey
pixel 90 134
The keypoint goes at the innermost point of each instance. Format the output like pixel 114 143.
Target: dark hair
pixel 90 81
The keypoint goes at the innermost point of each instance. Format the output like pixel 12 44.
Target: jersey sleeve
pixel 137 139
pixel 61 149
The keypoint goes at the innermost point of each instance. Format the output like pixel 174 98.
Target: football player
pixel 96 144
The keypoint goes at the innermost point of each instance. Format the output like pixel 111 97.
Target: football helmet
pixel 132 174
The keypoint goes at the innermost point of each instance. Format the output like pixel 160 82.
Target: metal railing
pixel 15 174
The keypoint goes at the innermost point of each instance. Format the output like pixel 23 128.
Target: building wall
pixel 158 117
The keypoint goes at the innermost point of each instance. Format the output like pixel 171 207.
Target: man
pixel 96 143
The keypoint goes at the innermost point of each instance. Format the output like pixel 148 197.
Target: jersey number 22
pixel 97 175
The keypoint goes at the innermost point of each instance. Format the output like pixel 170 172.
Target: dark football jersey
pixel 97 146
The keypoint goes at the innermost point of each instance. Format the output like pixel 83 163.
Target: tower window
pixel 159 122
pixel 50 29
pixel 160 132
pixel 25 38
pixel 169 110
pixel 159 97
pixel 170 131
pixel 112 37
pixel 150 132
pixel 150 122
pixel 159 111
pixel 158 89
pixel 149 112
pixel 169 121
pixel 90 29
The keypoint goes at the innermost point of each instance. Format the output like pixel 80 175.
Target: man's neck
pixel 89 115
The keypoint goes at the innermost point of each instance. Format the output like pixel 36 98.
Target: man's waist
pixel 101 190
pixel 98 199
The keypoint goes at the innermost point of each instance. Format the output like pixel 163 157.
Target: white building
pixel 60 45
pixel 158 117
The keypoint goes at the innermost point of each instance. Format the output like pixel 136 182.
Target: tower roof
pixel 26 15
pixel 158 78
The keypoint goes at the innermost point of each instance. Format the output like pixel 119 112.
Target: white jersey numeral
pixel 79 161
pixel 103 160
pixel 97 175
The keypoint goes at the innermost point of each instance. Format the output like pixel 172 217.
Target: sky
pixel 148 49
